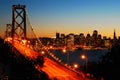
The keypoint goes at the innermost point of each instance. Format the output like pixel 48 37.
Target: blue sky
pixel 66 16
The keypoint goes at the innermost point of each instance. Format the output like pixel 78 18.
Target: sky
pixel 66 16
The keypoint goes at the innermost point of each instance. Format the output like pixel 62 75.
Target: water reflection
pixel 74 56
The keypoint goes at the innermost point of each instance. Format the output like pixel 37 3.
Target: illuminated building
pixel 57 35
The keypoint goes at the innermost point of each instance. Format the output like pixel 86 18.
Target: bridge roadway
pixel 53 69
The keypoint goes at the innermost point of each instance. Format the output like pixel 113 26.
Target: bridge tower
pixel 18 22
pixel 8 30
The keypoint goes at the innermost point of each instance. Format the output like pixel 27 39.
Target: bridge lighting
pixel 8 39
pixel 24 42
pixel 42 52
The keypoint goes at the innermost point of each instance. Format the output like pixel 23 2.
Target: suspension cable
pixel 33 29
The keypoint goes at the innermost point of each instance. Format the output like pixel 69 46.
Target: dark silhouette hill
pixel 17 68
pixel 109 65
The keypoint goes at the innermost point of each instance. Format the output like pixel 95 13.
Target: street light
pixel 64 51
pixel 75 66
pixel 83 56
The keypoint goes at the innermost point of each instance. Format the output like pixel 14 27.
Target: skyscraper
pixel 95 34
pixel 57 35
pixel 114 36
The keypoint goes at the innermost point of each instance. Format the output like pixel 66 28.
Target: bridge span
pixel 52 68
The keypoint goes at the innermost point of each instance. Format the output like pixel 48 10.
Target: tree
pixel 109 67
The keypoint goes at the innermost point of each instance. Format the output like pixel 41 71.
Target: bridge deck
pixel 53 69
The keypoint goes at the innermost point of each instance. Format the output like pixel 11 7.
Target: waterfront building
pixel 118 39
pixel 82 39
pixel 62 36
pixel 95 34
pixel 57 35
pixel 88 40
pixel 104 37
pixel 76 39
pixel 57 40
pixel 99 41
pixel 70 41
pixel 99 36
pixel 107 43
pixel 94 38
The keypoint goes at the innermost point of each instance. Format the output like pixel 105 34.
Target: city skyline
pixel 66 16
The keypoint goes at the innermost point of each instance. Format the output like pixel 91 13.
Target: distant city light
pixel 64 50
pixel 51 47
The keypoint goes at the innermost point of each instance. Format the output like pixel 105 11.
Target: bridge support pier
pixel 18 22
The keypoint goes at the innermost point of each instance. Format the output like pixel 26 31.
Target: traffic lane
pixel 55 70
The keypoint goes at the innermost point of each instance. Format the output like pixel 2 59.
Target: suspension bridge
pixel 20 35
